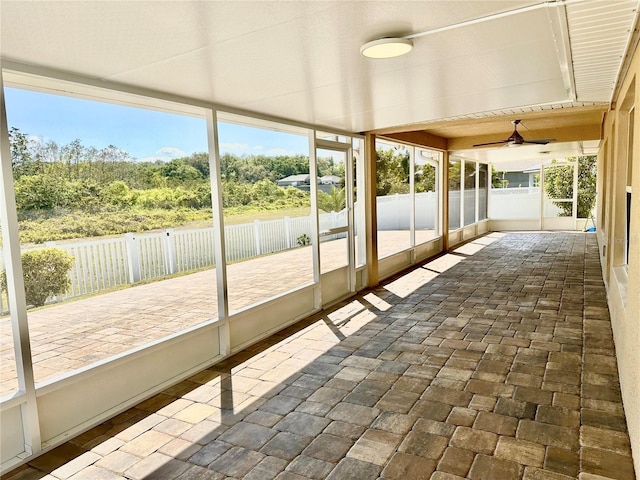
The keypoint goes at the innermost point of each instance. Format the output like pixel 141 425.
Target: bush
pixel 334 201
pixel 43 192
pixel 303 240
pixel 45 273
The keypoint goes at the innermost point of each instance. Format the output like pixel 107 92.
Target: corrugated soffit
pixel 599 33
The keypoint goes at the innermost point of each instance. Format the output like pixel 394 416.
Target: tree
pixel 199 161
pixel 425 178
pixel 392 171
pixel 77 185
pixel 179 171
pixel 454 174
pixel 328 166
pixel 72 155
pixel 558 183
pixel 587 181
pixel 283 165
pixel 21 158
pixel 334 201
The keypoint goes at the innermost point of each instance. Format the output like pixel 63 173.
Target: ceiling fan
pixel 517 139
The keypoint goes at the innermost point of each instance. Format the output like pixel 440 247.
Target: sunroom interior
pixel 562 70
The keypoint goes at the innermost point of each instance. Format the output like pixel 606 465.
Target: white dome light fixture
pixel 386 48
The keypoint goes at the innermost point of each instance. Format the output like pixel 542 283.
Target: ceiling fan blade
pixel 491 143
pixel 540 141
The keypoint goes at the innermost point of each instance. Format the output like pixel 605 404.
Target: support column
pixel 315 220
pixel 15 289
pixel 218 231
pixel 371 221
pixel 445 202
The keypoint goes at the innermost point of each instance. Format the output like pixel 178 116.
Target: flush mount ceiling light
pixel 386 48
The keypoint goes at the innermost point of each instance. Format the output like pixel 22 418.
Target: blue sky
pixel 144 134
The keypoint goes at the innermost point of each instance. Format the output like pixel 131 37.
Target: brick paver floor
pixel 495 361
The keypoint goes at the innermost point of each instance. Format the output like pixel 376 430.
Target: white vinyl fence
pixel 394 211
pixel 110 263
pixel 469 213
pixel 521 203
pixel 515 203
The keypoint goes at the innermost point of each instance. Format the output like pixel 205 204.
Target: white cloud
pixel 246 149
pixel 279 151
pixel 36 142
pixel 240 147
pixel 164 154
pixel 173 152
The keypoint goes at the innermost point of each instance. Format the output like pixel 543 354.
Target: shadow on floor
pixel 494 363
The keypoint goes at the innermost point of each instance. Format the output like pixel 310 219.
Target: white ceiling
pixel 300 60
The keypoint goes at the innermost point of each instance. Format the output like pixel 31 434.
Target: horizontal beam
pixel 422 139
pixel 452 128
pixel 567 134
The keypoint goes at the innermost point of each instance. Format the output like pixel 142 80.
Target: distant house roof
pixel 330 179
pixel 294 180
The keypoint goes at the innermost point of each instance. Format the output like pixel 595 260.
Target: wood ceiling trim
pixel 423 139
pixel 452 128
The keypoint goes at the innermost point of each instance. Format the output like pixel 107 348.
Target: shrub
pixel 334 201
pixel 118 193
pixel 45 273
pixel 303 240
pixel 43 192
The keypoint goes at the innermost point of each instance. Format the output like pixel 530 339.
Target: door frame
pixel 341 282
pixel 558 223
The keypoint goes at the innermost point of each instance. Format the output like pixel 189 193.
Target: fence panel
pixel 240 242
pixel 193 249
pixel 273 236
pixel 454 209
pixel 469 215
pixel 99 265
pixel 515 203
pixel 299 231
pixel 426 210
pixel 389 207
pixel 152 259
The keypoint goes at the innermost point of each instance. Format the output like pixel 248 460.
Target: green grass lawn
pixel 250 216
pixel 82 226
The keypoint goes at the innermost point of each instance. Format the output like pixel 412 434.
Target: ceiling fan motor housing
pixel 516 138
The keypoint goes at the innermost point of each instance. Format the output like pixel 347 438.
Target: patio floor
pixel 493 362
